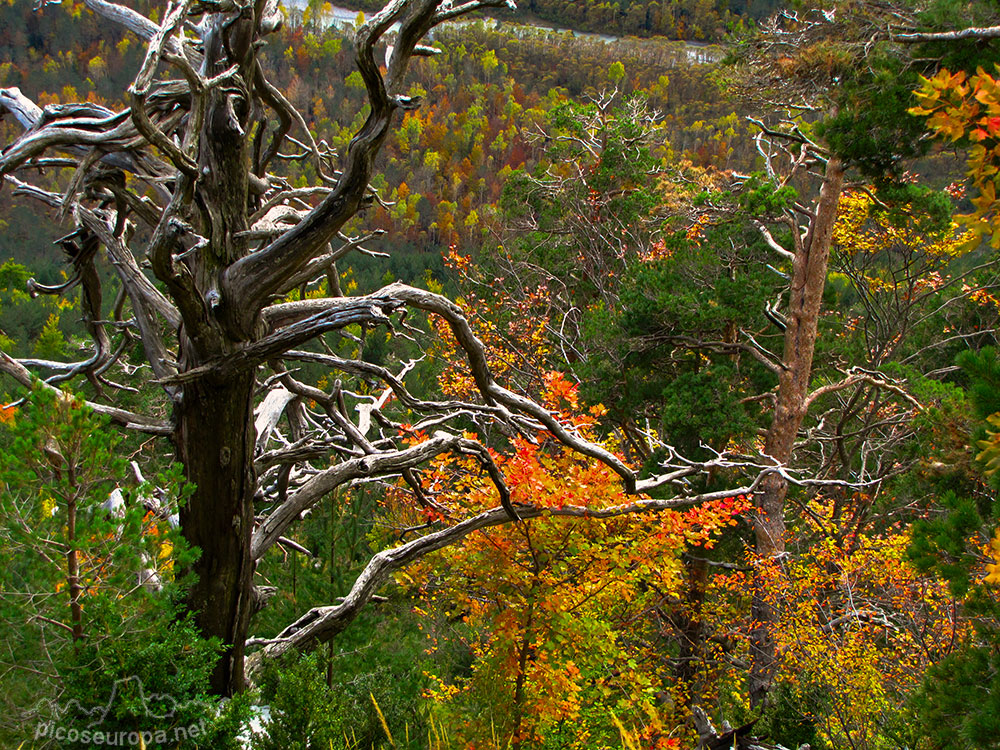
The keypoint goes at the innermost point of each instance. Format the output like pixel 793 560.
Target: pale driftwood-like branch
pixel 322 484
pixel 87 130
pixel 122 417
pixel 132 20
pixel 323 263
pixel 365 411
pixel 493 393
pixel 973 32
pixel 857 376
pixel 340 313
pixel 754 349
pixel 269 412
pixel 771 242
pixel 112 133
pixel 322 623
pixel 24 110
pixel 447 14
pixel 367 369
pixel 304 450
pixel 146 298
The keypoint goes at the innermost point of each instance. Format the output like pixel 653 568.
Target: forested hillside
pixel 692 20
pixel 467 385
pixel 445 166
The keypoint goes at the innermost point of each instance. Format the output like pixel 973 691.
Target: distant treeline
pixel 693 20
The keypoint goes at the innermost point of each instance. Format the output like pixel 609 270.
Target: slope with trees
pixel 771 355
pixel 180 178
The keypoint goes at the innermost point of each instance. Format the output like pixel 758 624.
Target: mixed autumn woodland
pixel 441 381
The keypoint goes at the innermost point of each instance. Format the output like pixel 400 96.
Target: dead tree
pixel 809 257
pixel 182 190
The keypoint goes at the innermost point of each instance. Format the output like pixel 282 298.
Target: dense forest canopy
pixel 412 383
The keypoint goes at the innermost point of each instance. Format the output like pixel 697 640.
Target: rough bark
pixel 320 624
pixel 808 281
pixel 215 443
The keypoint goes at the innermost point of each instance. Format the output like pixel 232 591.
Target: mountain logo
pixel 154 717
pixel 161 707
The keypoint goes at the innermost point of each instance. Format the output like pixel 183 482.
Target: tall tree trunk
pixel 689 625
pixel 214 420
pixel 524 654
pixel 73 568
pixel 215 440
pixel 808 282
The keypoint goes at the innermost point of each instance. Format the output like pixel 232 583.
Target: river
pixel 696 53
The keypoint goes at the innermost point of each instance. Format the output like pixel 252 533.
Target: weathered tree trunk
pixel 807 285
pixel 215 442
pixel 214 417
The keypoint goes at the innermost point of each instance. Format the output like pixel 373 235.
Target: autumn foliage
pixel 963 107
pixel 554 614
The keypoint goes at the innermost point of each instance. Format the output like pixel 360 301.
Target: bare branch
pixel 315 489
pixel 773 243
pixel 121 417
pixel 322 623
pixel 973 32
pixel 135 22
pixel 856 376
